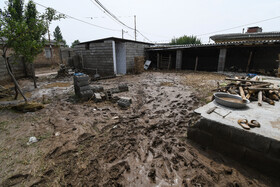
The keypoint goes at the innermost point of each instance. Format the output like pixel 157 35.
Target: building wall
pixel 42 61
pixel 133 50
pixel 96 56
pixel 17 68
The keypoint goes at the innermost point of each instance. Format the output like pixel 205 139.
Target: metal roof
pixel 246 36
pixel 224 44
pixel 115 39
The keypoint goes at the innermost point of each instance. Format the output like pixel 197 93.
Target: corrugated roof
pixel 245 36
pixel 188 46
pixel 115 39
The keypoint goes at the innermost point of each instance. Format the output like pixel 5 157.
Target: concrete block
pixel 81 78
pixel 123 87
pixel 97 89
pixel 80 84
pixel 86 94
pixel 124 102
pixel 82 88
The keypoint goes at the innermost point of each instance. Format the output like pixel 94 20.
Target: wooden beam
pixel 249 61
pixel 196 63
pixel 158 60
pixel 242 80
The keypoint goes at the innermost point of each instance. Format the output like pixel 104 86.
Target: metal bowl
pixel 219 99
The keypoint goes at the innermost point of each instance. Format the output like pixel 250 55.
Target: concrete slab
pixel 257 147
pixel 267 115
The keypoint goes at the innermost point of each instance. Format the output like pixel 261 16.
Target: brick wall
pixel 42 61
pixel 17 68
pixel 133 50
pixel 97 56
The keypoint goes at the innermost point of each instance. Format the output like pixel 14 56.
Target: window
pixel 48 52
pixel 87 46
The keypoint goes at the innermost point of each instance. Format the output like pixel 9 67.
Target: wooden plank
pixel 222 60
pixel 242 93
pixel 249 61
pixel 242 80
pixel 196 63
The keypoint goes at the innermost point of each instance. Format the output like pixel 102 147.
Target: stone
pixel 97 97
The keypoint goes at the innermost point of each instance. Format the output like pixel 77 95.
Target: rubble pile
pixel 252 89
pixel 97 93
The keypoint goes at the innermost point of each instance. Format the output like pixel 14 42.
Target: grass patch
pixel 4 125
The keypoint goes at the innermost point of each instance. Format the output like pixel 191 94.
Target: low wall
pixel 17 68
pixel 257 151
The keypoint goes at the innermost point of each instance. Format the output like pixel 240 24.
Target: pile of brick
pixel 97 93
pixel 81 86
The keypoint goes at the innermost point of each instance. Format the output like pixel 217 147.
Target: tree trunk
pixel 24 66
pixel 13 77
pixel 33 75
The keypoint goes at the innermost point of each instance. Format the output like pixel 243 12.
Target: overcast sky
pixel 161 20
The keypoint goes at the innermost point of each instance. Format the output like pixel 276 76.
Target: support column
pixel 158 56
pixel 179 55
pixel 196 64
pixel 222 60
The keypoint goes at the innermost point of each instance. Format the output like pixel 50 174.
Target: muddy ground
pixel 99 144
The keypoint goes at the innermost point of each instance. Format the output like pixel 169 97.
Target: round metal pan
pixel 220 95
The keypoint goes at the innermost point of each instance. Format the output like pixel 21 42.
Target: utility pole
pixel 135 26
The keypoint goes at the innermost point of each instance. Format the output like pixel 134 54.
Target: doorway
pixel 121 58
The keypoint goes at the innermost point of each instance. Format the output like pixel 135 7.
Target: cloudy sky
pixel 161 20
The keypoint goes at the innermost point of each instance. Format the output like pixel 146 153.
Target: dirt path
pixel 98 144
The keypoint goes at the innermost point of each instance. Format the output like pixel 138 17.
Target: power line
pixel 79 19
pixel 236 27
pixel 105 10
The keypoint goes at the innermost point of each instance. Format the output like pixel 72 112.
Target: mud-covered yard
pixel 100 144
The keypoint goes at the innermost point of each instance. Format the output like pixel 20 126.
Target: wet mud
pixel 100 144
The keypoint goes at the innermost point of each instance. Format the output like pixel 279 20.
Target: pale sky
pixel 161 20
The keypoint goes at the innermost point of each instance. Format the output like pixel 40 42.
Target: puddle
pixel 57 84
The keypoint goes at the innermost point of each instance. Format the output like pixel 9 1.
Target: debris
pixel 97 89
pixel 252 89
pixel 32 140
pixel 147 64
pixel 124 102
pixel 57 134
pixel 123 87
pixel 97 97
pixel 28 107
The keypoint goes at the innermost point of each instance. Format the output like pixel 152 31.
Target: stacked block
pixel 81 86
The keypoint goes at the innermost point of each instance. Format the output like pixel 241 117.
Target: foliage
pixel 75 43
pixel 58 36
pixel 185 40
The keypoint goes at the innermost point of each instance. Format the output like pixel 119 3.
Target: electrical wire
pixel 79 19
pixel 105 10
pixel 236 27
